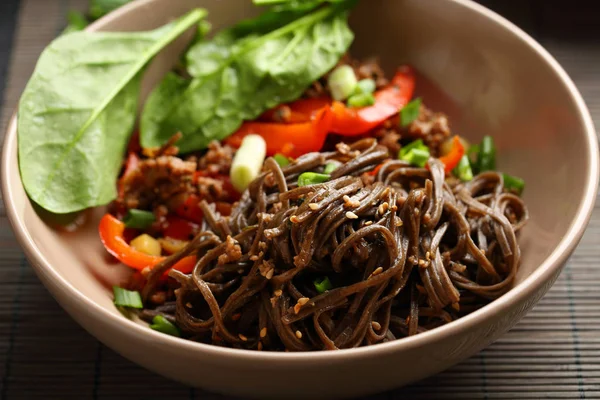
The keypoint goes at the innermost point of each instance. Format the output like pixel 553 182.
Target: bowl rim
pixel 551 265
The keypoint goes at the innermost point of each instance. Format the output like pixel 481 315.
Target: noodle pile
pixel 405 251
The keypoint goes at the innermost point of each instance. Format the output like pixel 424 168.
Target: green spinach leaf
pixel 78 110
pixel 238 79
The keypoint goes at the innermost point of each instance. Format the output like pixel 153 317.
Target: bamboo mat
pixel 553 353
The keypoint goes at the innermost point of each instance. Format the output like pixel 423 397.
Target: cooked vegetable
pixel 127 298
pixel 416 153
pixel 486 158
pixel 248 161
pixel 111 234
pixel 448 144
pixel 71 142
pixel 513 183
pixel 410 112
pixel 330 167
pixel 160 324
pixel 289 139
pixel 254 74
pixel 361 100
pixel 312 178
pixel 138 219
pixel 323 285
pixel 463 170
pixel 365 86
pixel 146 244
pixel 282 160
pixel 171 245
pixel 349 121
pixel 342 82
pixel 456 153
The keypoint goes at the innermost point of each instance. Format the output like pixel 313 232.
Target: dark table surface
pixel 553 353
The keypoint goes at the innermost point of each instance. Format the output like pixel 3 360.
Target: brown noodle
pixel 405 253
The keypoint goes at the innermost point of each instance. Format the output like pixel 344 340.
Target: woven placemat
pixel 553 353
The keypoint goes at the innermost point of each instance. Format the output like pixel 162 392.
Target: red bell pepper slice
pixel 452 159
pixel 111 234
pixel 190 209
pixel 388 102
pixel 299 138
pixel 180 228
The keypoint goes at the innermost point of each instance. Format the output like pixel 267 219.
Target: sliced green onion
pixel 361 100
pixel 282 160
pixel 127 298
pixel 138 219
pixel 416 153
pixel 513 183
pixel 330 167
pixel 312 178
pixel 410 112
pixel 342 82
pixel 365 86
pixel 463 170
pixel 160 324
pixel 486 160
pixel 323 285
pixel 247 162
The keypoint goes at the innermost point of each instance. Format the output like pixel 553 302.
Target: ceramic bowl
pixel 482 70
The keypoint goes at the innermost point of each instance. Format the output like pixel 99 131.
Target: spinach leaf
pixel 237 80
pixel 78 110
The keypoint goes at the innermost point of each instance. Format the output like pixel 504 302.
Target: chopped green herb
pixel 282 160
pixel 323 285
pixel 410 112
pixel 160 324
pixel 330 167
pixel 127 298
pixel 138 219
pixel 416 153
pixel 513 183
pixel 463 170
pixel 365 86
pixel 312 178
pixel 247 162
pixel 361 100
pixel 486 160
pixel 342 82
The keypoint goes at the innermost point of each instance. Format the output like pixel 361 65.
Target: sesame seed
pixel 278 292
pixel 346 198
pixel 368 223
pixel 303 300
pixel 313 206
pixel 299 334
pixel 394 208
pixel 399 222
pixel 188 305
pixel 145 271
pixel 269 274
pixel 456 306
pixel 383 208
pixel 235 317
pixel 377 271
pixel 385 192
pixel 253 258
pixel 351 215
pixel 244 338
pixel 263 332
pixel 376 325
pixel 423 264
pixel 428 256
pixel 259 347
pixel 297 308
pixel 294 219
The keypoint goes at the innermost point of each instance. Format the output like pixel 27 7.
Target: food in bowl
pixel 279 194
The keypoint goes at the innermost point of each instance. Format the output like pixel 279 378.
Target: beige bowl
pixel 497 81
